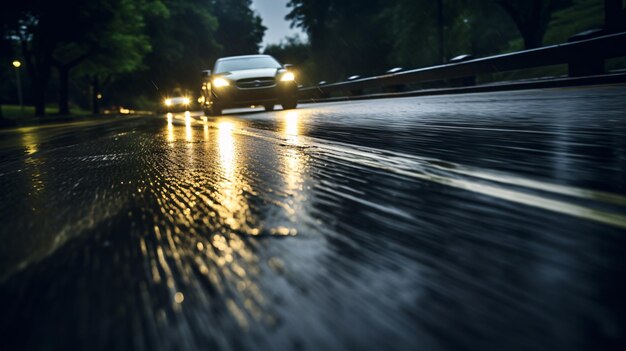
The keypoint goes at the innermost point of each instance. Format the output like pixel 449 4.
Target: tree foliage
pixel 190 39
pixel 532 17
pixel 240 30
pixel 136 45
pixel 143 50
pixel 67 33
pixel 350 36
pixel 347 36
pixel 294 51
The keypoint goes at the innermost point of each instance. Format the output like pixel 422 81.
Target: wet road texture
pixel 492 221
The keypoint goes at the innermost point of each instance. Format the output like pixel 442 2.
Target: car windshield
pixel 245 63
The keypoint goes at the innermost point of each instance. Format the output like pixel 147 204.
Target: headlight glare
pixel 168 102
pixel 288 77
pixel 186 101
pixel 220 82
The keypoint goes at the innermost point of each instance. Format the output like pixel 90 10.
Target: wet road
pixel 489 221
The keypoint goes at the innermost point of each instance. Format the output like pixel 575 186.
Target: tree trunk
pixel 40 97
pixel 95 89
pixel 64 107
pixel 40 79
pixel 530 23
pixel 533 36
pixel 613 15
pixel 440 32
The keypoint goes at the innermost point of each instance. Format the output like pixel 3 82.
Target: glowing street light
pixel 17 64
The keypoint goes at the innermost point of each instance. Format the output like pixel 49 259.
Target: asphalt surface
pixel 492 221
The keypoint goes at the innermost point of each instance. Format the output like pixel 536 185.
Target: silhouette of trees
pixel 64 34
pixel 240 30
pixel 132 42
pixel 346 36
pixel 190 39
pixel 349 36
pixel 132 47
pixel 293 50
pixel 532 17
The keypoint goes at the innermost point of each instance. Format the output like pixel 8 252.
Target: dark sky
pixel 273 13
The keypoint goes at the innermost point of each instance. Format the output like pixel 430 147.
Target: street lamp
pixel 17 64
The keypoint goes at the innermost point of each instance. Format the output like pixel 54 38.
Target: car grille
pixel 251 83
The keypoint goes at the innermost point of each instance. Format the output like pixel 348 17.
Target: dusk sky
pixel 273 13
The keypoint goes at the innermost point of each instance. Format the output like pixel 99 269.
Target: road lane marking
pixel 377 160
pixel 421 168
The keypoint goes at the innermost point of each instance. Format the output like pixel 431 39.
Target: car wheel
pixel 289 105
pixel 269 107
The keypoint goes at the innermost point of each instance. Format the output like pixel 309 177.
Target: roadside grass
pixel 580 16
pixel 16 114
pixel 12 115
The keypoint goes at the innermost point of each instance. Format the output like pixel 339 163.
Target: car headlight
pixel 288 77
pixel 220 82
pixel 168 102
pixel 186 101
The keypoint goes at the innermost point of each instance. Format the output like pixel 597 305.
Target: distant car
pixel 242 81
pixel 180 103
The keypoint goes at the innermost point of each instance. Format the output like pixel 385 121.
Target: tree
pixel 240 30
pixel 290 50
pixel 24 23
pixel 294 51
pixel 614 15
pixel 532 17
pixel 346 36
pixel 179 53
pixel 65 33
pixel 112 40
pixel 6 54
pixel 212 28
pixel 121 45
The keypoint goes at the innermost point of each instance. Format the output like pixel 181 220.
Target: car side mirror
pixel 287 66
pixel 206 73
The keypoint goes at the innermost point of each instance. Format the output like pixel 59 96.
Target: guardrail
pixel 583 57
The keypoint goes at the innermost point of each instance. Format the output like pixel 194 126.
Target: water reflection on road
pixel 427 223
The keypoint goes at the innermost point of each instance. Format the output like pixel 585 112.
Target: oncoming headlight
pixel 186 101
pixel 287 77
pixel 220 82
pixel 168 102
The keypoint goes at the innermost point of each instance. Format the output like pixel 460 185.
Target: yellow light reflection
pixel 292 129
pixel 292 159
pixel 228 187
pixel 170 128
pixel 234 209
pixel 208 224
pixel 188 131
pixel 30 143
pixel 226 148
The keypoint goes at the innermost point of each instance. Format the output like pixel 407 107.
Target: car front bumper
pixel 233 96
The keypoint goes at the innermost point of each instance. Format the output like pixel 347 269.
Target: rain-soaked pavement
pixel 472 222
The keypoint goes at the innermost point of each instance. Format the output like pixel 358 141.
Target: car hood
pixel 250 73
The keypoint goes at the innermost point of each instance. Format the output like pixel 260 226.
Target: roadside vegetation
pixel 103 54
pixel 368 37
pixel 99 53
